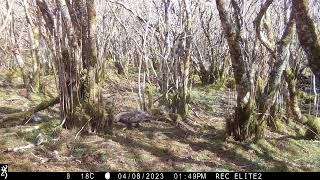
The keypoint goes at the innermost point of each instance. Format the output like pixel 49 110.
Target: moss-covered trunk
pixel 307 34
pixel 313 123
pixel 34 36
pixel 310 43
pixel 182 62
pixel 77 63
pixel 27 114
pixel 241 125
pixel 269 95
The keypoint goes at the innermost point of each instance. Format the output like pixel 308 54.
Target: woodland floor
pixel 154 146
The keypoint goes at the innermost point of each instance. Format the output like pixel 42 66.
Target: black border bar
pixel 163 175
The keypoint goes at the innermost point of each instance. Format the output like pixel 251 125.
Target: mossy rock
pixel 305 97
pixel 157 112
pixel 276 124
pixel 230 83
pixel 172 118
pixel 160 115
pixel 313 131
pixel 175 118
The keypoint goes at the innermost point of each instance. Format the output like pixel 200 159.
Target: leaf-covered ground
pixel 155 146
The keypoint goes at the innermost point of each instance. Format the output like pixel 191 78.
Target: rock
pixel 40 139
pixel 36 118
pixel 23 92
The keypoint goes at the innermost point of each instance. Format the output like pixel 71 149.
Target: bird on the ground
pixel 132 118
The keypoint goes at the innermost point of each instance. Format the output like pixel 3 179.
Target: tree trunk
pixel 307 34
pixel 184 90
pixel 241 125
pixel 77 82
pixel 166 54
pixel 269 96
pixel 313 123
pixel 16 52
pixel 34 35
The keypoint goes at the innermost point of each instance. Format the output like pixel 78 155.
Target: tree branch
pixel 257 22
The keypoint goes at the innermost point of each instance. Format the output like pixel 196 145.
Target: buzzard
pixel 132 118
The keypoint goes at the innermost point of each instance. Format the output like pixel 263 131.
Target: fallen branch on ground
pixel 40 159
pixel 20 148
pixel 27 114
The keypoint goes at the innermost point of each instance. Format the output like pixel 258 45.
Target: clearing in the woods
pixel 197 145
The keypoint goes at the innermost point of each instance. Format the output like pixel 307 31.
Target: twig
pixel 28 120
pixel 95 141
pixel 61 124
pixel 82 128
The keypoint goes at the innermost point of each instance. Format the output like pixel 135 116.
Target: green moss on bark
pixel 313 124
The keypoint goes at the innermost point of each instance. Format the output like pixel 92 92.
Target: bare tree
pixel 240 125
